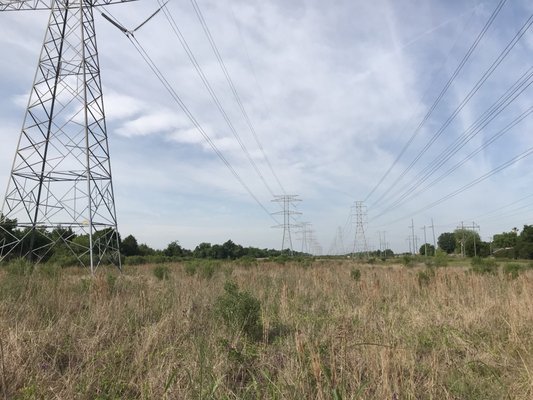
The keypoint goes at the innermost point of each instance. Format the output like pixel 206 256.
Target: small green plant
pixel 20 267
pixel 111 280
pixel 424 277
pixel 440 259
pixel 355 274
pixel 407 260
pixel 190 268
pixel 512 270
pixel 240 311
pixel 162 272
pixel 484 266
pixel 207 270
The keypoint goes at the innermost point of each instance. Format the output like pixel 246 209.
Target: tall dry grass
pixel 390 335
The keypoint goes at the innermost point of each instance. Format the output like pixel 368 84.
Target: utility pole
pixel 474 228
pixel 408 239
pixel 462 227
pixel 433 229
pixel 412 226
pixel 425 242
pixel 287 200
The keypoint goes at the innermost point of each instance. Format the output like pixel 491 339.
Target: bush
pixel 190 268
pixel 440 259
pixel 161 272
pixel 20 267
pixel 512 270
pixel 240 311
pixel 134 260
pixel 424 277
pixel 484 266
pixel 355 274
pixel 407 260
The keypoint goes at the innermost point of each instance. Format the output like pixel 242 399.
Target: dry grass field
pixel 316 330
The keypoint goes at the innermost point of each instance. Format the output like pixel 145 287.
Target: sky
pixel 333 90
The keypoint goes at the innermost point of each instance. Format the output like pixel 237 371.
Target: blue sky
pixel 334 91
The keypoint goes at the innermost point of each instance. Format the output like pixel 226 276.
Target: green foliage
pixel 190 268
pixel 240 311
pixel 446 242
pixel 407 260
pixel 484 266
pixel 430 250
pixel 505 240
pixel 129 246
pixel 355 274
pixel 424 277
pixel 20 267
pixel 162 272
pixel 440 259
pixel 513 270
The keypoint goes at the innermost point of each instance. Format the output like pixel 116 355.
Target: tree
pixel 527 234
pixel 129 246
pixel 203 250
pixel 173 249
pixel 446 242
pixel 505 240
pixel 430 249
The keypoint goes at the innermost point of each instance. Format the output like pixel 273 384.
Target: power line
pixel 214 47
pixel 503 54
pixel 464 102
pixel 440 96
pixel 212 93
pixel 175 96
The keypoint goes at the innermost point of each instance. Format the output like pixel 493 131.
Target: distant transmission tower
pixel 360 245
pixel 288 201
pixel 60 190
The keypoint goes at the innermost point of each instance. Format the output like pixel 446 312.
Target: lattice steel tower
pixel 287 200
pixel 60 190
pixel 360 245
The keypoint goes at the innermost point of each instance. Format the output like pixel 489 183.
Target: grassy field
pixel 320 330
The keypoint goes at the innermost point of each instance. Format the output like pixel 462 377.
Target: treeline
pixel 514 244
pixel 135 253
pixel 64 247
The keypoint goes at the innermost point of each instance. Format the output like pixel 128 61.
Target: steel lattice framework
pixel 60 190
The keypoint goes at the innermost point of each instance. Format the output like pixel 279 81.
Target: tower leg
pixel 60 192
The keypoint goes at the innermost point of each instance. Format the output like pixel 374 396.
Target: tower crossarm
pixel 21 5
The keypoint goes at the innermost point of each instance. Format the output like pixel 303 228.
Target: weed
pixel 512 270
pixel 162 272
pixel 355 274
pixel 484 266
pixel 190 268
pixel 240 311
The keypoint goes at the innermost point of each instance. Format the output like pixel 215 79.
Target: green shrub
pixel 407 260
pixel 424 277
pixel 355 274
pixel 49 270
pixel 440 259
pixel 190 268
pixel 484 266
pixel 20 267
pixel 240 311
pixel 207 270
pixel 512 270
pixel 162 272
pixel 135 260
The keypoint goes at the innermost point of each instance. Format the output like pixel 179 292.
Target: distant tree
pixel 203 250
pixel 388 253
pixel 446 242
pixel 145 250
pixel 129 246
pixel 430 249
pixel 174 249
pixel 527 234
pixel 505 240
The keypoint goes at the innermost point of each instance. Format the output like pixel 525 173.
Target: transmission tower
pixel 360 245
pixel 60 190
pixel 288 201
